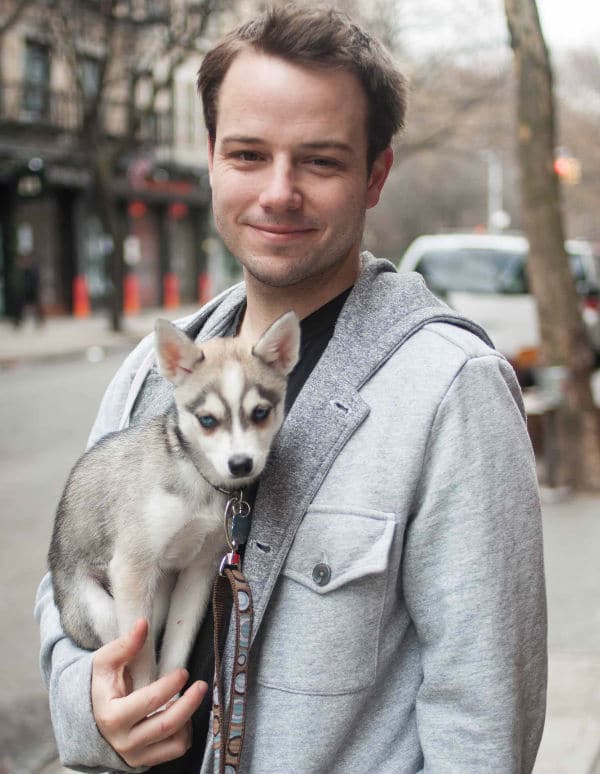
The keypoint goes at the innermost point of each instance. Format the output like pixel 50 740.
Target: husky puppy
pixel 139 530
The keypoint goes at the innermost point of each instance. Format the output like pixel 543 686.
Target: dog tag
pixel 240 528
pixel 237 521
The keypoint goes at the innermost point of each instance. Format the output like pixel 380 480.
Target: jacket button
pixel 321 574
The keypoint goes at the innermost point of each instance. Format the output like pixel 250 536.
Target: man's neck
pixel 266 304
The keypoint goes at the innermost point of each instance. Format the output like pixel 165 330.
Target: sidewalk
pixel 70 338
pixel 571 741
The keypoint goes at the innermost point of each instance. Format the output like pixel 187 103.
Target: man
pixel 395 552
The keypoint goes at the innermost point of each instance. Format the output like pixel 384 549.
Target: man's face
pixel 289 174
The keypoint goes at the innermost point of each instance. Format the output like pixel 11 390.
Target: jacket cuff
pixel 67 671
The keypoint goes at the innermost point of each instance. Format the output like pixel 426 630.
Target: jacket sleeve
pixel 474 582
pixel 67 672
pixel 67 669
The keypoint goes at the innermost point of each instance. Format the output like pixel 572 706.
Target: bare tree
pixel 579 114
pixel 456 69
pixel 10 13
pixel 138 47
pixel 563 337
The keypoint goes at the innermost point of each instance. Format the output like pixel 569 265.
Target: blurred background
pixel 105 224
pixel 102 139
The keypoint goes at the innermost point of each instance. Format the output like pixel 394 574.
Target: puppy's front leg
pixel 133 589
pixel 188 606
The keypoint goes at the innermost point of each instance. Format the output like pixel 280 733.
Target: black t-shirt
pixel 316 331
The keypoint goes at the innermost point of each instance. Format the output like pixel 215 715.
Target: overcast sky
pixel 570 23
pixel 458 24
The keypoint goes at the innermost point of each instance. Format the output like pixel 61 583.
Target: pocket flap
pixel 332 548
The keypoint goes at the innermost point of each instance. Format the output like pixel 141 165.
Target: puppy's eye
pixel 208 422
pixel 260 413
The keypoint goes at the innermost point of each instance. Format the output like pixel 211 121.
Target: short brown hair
pixel 315 37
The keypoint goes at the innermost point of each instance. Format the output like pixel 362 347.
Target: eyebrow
pixel 243 139
pixel 315 145
pixel 328 145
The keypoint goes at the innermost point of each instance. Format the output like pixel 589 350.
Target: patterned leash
pixel 229 721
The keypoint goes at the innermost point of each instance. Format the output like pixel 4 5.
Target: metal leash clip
pixel 237 528
pixel 232 559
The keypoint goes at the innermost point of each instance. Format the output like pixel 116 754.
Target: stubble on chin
pixel 302 274
pixel 287 266
pixel 271 278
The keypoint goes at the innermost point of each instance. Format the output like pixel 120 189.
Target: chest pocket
pixel 321 631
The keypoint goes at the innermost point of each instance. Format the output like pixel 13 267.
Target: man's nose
pixel 280 190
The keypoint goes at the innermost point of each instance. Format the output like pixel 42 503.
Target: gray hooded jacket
pixel 404 467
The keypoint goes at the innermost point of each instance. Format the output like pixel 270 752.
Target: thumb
pixel 116 654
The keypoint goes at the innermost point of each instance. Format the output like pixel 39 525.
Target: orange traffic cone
pixel 81 297
pixel 171 291
pixel 131 294
pixel 204 288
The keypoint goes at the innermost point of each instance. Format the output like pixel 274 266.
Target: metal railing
pixel 25 104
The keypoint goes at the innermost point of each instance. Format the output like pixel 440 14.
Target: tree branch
pixel 14 15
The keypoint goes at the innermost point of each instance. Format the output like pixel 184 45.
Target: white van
pixel 483 276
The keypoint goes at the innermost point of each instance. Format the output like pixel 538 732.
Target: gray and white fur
pixel 139 528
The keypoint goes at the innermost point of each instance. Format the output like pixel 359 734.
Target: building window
pixel 36 81
pixel 90 77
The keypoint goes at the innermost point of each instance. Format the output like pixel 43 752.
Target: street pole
pixel 494 189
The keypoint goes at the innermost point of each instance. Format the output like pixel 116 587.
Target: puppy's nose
pixel 240 465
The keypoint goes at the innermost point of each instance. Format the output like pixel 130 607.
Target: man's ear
pixel 177 355
pixel 379 172
pixel 279 346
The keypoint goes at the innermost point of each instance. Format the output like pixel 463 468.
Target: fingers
pixel 124 717
pixel 174 747
pixel 163 725
pixel 162 737
pixel 110 677
pixel 117 653
pixel 117 713
pixel 147 700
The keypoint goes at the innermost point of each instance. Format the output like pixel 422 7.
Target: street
pixel 46 413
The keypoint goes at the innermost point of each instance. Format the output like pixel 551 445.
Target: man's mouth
pixel 280 233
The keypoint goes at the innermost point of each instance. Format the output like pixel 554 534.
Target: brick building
pixel 56 71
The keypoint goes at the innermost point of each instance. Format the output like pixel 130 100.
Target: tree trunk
pixel 564 340
pixel 111 221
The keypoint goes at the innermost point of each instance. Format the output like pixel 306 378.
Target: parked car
pixel 484 277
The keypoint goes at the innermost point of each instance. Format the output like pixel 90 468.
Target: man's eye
pixel 260 413
pixel 246 155
pixel 324 163
pixel 208 422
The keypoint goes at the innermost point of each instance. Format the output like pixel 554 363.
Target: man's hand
pixel 122 715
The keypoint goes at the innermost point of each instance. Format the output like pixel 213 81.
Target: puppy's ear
pixel 279 346
pixel 177 355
